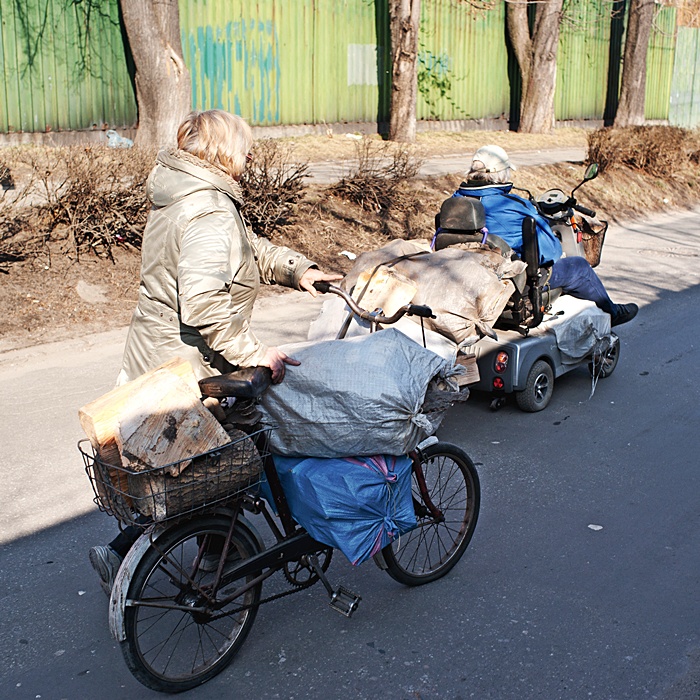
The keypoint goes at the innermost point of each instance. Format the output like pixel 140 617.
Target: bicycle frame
pixel 291 545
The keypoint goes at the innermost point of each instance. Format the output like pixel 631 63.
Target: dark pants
pixel 577 278
pixel 121 544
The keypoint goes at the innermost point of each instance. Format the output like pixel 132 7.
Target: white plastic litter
pixel 115 140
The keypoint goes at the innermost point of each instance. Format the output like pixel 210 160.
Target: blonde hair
pixel 219 137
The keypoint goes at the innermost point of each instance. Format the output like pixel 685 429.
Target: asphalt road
pixel 542 606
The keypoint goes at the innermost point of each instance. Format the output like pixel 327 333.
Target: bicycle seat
pixel 246 383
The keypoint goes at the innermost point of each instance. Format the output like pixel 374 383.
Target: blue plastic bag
pixel 357 505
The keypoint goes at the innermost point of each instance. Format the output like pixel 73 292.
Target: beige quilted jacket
pixel 200 273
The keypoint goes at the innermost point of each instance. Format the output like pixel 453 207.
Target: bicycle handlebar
pixel 322 287
pixel 375 316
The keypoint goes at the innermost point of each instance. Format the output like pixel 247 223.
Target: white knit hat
pixel 494 158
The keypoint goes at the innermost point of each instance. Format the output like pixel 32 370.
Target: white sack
pixel 356 397
pixel 578 326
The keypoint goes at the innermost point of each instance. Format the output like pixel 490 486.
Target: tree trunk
pixel 404 18
pixel 163 93
pixel 537 59
pixel 630 109
pixel 519 34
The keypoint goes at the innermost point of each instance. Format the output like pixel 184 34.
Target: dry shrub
pixel 97 198
pixel 378 183
pixel 17 242
pixel 20 236
pixel 272 185
pixel 662 151
pixel 92 197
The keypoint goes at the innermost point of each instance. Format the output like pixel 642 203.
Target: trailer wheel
pixel 538 388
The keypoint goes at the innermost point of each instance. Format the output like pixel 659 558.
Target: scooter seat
pixel 462 220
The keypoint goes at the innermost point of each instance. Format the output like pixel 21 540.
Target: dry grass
pixel 315 149
pixel 660 151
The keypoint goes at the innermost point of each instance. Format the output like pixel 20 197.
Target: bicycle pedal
pixel 344 601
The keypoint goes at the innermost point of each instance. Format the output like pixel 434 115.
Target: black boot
pixel 623 313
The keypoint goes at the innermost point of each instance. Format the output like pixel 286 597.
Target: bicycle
pixel 188 591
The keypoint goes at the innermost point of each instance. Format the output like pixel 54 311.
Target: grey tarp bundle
pixel 466 289
pixel 579 327
pixel 356 397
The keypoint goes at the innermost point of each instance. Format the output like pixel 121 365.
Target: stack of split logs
pixel 158 448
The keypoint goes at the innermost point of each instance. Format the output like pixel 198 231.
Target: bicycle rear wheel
pixel 178 634
pixel 430 550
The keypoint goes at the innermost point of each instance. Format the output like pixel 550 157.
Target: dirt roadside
pixel 55 297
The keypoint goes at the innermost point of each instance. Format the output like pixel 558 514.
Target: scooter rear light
pixel 501 363
pixel 498 383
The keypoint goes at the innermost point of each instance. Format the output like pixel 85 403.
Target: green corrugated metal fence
pixel 63 63
pixel 463 62
pixel 660 64
pixel 63 66
pixel 277 62
pixel 582 61
pixel 685 89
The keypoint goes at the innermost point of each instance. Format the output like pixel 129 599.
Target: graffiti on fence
pixel 237 68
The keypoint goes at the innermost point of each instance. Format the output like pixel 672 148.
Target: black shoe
pixel 106 563
pixel 623 313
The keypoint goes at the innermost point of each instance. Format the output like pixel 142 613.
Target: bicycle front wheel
pixel 431 549
pixel 179 631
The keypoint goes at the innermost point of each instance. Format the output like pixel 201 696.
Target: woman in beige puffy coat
pixel 200 266
pixel 200 273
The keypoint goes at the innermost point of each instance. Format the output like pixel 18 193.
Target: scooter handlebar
pixel 584 210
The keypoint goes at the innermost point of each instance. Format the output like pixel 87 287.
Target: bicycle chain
pixel 296 587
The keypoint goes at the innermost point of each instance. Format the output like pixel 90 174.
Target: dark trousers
pixel 577 278
pixel 121 544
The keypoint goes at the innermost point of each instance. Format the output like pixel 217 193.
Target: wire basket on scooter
pixel 157 496
pixel 593 237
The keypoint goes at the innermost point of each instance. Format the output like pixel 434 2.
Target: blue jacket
pixel 504 217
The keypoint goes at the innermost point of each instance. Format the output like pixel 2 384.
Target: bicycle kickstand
pixel 342 600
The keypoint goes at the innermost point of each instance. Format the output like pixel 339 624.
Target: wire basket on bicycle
pixel 202 481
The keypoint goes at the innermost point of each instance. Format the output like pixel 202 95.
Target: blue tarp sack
pixel 356 504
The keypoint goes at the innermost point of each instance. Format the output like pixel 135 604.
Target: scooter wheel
pixel 538 388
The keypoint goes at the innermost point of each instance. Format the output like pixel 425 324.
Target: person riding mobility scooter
pixel 560 315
